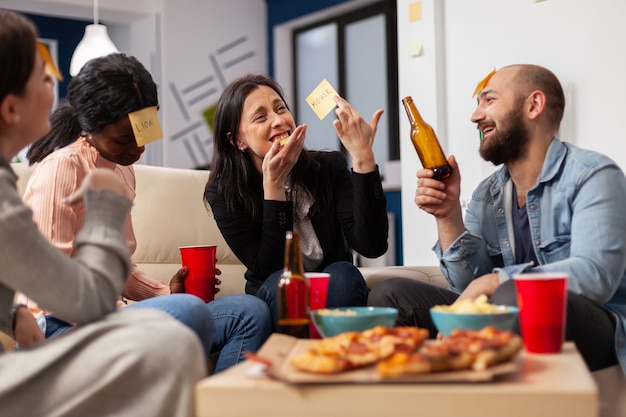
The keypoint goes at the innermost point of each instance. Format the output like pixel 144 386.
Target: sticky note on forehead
pixel 51 68
pixel 483 83
pixel 146 125
pixel 322 99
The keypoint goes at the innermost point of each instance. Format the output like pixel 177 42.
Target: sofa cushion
pixel 169 212
pixel 161 226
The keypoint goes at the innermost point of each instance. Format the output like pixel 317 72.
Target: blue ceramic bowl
pixel 361 318
pixel 446 321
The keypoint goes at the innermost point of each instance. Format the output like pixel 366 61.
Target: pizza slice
pixel 492 346
pixel 464 349
pixel 352 350
pixel 404 363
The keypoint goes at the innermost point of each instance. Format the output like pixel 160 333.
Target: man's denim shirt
pixel 577 216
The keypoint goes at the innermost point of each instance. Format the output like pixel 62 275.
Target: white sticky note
pixel 415 47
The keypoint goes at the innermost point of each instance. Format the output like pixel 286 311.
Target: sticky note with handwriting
pixel 322 99
pixel 146 125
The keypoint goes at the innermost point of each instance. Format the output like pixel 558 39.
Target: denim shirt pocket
pixel 555 249
pixel 495 255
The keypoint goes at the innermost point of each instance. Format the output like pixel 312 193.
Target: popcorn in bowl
pixel 473 315
pixel 336 311
pixel 478 305
pixel 333 321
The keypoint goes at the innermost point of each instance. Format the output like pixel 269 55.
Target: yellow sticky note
pixel 415 11
pixel 51 68
pixel 322 99
pixel 146 125
pixel 415 47
pixel 483 83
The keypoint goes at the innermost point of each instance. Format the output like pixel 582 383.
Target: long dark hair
pixel 237 180
pixel 18 40
pixel 105 90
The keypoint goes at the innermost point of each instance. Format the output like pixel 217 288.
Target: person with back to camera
pixel 550 207
pixel 92 129
pixel 87 372
pixel 259 189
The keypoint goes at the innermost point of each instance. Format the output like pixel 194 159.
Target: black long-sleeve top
pixel 355 217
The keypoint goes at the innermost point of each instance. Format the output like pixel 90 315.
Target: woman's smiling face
pixel 264 119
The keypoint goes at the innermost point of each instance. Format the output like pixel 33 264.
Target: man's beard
pixel 509 143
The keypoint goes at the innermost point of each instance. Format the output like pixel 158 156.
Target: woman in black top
pixel 259 189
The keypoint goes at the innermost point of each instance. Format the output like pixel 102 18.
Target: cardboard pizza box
pixel 544 385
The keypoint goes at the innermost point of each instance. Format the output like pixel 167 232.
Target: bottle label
pixel 296 299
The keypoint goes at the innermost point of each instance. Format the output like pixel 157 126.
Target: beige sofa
pixel 169 212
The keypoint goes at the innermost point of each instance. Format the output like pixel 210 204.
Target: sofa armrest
pixel 429 274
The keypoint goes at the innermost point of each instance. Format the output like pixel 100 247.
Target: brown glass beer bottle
pixel 293 292
pixel 425 142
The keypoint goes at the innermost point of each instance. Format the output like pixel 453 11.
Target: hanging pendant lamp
pixel 95 43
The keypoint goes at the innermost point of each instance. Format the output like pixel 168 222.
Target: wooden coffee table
pixel 545 385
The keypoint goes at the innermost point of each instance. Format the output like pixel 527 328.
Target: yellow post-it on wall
pixel 415 11
pixel 146 125
pixel 322 99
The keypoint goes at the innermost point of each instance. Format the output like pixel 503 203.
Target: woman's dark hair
pixel 236 177
pixel 18 42
pixel 105 90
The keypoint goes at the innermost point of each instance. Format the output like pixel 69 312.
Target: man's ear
pixel 8 110
pixel 537 104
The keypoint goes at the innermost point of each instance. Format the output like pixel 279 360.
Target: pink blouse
pixel 58 176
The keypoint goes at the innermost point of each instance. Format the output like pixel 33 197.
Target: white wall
pixel 419 77
pixel 580 41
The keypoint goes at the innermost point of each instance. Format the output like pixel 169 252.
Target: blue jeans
pixel 242 323
pixel 346 288
pixel 229 325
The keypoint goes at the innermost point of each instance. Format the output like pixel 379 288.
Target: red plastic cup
pixel 542 301
pixel 318 292
pixel 200 261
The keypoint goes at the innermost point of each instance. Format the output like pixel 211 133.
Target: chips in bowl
pixel 473 315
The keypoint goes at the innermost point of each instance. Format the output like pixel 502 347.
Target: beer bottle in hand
pixel 293 292
pixel 425 142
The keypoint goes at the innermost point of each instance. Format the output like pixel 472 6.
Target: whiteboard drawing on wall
pixel 196 101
